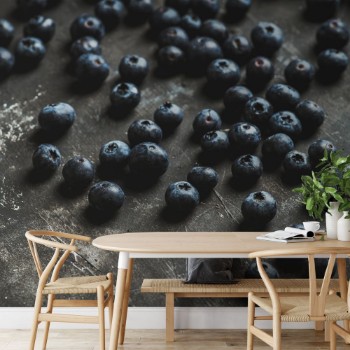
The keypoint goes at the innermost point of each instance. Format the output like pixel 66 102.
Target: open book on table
pixel 288 235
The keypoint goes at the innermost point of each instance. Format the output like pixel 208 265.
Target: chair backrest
pixel 56 241
pixel 317 300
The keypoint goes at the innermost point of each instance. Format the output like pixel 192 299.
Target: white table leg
pixel 123 264
pixel 126 302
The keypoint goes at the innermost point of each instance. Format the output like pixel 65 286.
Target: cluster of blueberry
pixel 30 49
pixel 37 32
pixel 191 40
pixel 146 158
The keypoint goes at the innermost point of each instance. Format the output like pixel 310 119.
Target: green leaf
pixel 309 203
pixel 340 161
pixel 330 190
pixel 338 198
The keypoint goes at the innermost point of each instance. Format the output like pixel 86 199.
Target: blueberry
pixel 171 60
pixel 282 97
pixel 215 142
pixel 174 36
pixel 259 72
pixel 236 97
pixel 28 8
pixel 139 11
pixel 205 8
pixel 317 150
pixel 333 34
pixel 7 62
pixel 29 52
pixel 106 196
pixel 181 196
pixel 124 97
pixel 46 158
pixel 181 6
pixel 168 116
pixel 85 44
pixel 238 48
pixel 253 271
pixel 114 154
pixel 144 130
pixel 332 63
pixel 296 164
pixel 78 172
pixel 40 27
pixel 320 10
pixel 148 160
pixel 310 114
pixel 299 73
pixel 287 123
pixel 236 9
pixel 57 117
pixel 204 179
pixel 246 169
pixel 213 28
pixel 191 23
pixel 201 52
pixel 7 32
pixel 206 120
pixel 110 12
pixel 133 68
pixel 258 111
pixel 267 38
pixel 222 73
pixel 277 146
pixel 259 207
pixel 87 25
pixel 244 137
pixel 91 69
pixel 164 17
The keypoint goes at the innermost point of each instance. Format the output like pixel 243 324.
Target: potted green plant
pixel 327 190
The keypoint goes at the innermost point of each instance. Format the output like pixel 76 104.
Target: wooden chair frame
pixel 336 329
pixel 317 300
pixel 53 268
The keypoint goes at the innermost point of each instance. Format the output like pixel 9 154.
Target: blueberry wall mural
pixel 143 135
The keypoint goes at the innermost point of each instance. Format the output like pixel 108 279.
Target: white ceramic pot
pixel 343 227
pixel 332 217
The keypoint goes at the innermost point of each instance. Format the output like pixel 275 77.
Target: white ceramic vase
pixel 343 227
pixel 332 217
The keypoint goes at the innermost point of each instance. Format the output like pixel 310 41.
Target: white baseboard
pixel 150 318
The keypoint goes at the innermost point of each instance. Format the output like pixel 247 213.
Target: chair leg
pixel 111 298
pixel 50 300
pixel 37 309
pixel 332 336
pixel 276 332
pixel 319 325
pixel 169 310
pixel 346 326
pixel 251 316
pixel 327 327
pixel 101 315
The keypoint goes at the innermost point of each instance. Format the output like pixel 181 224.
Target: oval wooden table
pixel 187 245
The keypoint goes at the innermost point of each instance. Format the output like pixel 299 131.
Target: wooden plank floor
pixel 154 340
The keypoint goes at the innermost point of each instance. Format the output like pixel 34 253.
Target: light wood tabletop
pixel 235 243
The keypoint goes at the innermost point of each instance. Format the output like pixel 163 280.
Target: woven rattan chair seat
pixel 296 309
pixel 78 285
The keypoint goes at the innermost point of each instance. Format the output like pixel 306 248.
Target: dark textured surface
pixel 25 204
